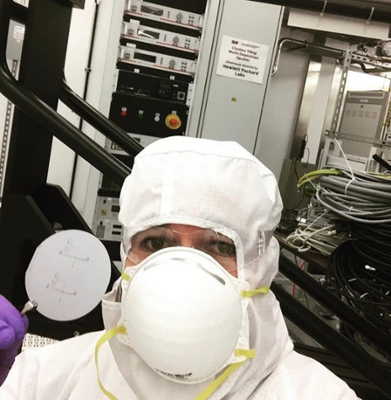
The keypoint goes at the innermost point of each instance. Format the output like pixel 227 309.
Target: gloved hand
pixel 13 327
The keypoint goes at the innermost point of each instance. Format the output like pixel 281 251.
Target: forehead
pixel 181 228
pixel 177 230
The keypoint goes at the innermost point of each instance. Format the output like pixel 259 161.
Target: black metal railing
pixel 351 353
pixel 99 121
pixel 50 119
pixel 335 305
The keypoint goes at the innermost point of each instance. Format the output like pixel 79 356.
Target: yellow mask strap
pixel 204 395
pixel 212 387
pixel 107 336
pixel 251 293
pixel 125 276
pixel 246 293
pixel 226 374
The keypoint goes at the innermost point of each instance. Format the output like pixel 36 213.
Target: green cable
pixel 316 174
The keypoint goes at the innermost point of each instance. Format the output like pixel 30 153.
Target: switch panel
pixel 131 54
pixel 152 87
pixel 136 31
pixel 106 225
pixel 142 112
pixel 162 13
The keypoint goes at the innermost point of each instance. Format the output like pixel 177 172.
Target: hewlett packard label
pixel 242 59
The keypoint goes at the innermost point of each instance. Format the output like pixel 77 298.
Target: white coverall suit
pixel 208 184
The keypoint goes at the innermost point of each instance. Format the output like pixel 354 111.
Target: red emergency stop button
pixel 173 121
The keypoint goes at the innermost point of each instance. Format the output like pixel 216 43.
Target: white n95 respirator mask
pixel 185 316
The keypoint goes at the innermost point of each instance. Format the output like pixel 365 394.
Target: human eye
pixel 218 245
pixel 222 248
pixel 152 240
pixel 155 243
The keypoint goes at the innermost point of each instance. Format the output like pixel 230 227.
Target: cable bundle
pixel 365 287
pixel 362 198
pixel 318 230
pixel 360 268
pixel 373 244
pixel 359 196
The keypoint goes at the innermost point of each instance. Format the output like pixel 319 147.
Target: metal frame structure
pixel 6 134
pixel 358 138
pixel 30 208
pixel 376 373
pixel 300 45
pixel 368 10
pixel 341 90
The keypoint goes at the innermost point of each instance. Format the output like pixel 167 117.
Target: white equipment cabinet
pixel 231 109
pixel 219 93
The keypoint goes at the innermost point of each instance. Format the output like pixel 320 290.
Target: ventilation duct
pixel 379 11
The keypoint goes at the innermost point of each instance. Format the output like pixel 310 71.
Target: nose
pixel 186 241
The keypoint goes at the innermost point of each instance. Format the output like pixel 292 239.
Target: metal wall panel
pixel 364 114
pixel 282 105
pixel 233 107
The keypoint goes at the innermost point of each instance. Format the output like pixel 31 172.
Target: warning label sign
pixel 242 59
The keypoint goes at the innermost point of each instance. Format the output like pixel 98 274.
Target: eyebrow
pixel 151 230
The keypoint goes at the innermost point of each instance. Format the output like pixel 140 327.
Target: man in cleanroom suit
pixel 192 316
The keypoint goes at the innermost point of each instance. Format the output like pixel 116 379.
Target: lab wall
pixel 66 168
pixel 100 87
pixel 62 158
pixel 233 104
pixel 282 104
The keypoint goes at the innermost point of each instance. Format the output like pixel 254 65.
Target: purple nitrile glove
pixel 13 327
